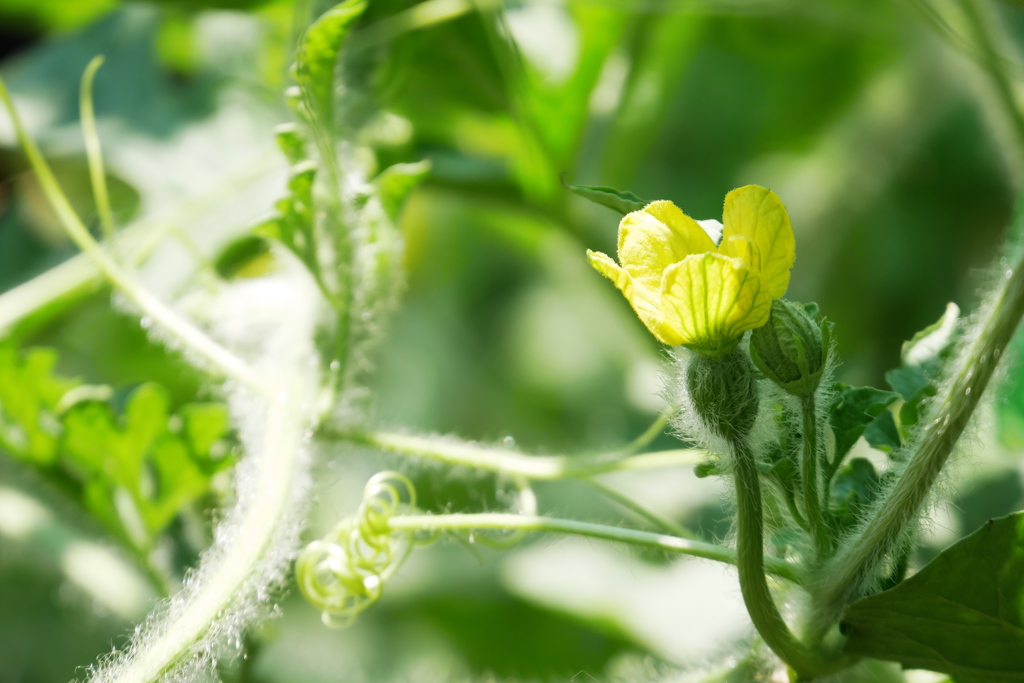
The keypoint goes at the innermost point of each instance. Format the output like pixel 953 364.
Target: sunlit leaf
pixel 396 182
pixel 137 473
pixel 318 54
pixel 29 396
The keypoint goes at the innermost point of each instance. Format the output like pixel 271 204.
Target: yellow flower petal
pixel 741 247
pixel 643 300
pixel 709 300
pixel 689 292
pixel 646 247
pixel 687 235
pixel 652 239
pixel 758 214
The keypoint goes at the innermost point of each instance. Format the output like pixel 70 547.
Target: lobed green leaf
pixel 134 472
pixel 853 410
pixel 854 489
pixel 318 55
pixel 29 396
pixel 923 357
pixel 138 466
pixel 963 614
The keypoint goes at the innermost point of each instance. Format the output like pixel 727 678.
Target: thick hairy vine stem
pixel 753 584
pixel 708 551
pixel 858 560
pixel 240 563
pixel 254 535
pixel 809 478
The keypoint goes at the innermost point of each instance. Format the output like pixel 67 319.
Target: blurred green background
pixel 875 122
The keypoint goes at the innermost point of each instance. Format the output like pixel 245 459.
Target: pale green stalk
pixel 535 467
pixel 93 151
pixel 663 523
pixel 995 63
pixel 190 335
pixel 708 551
pixel 80 274
pixel 809 477
pixel 858 561
pixel 185 240
pixel 656 429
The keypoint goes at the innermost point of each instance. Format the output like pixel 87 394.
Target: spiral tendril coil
pixel 343 573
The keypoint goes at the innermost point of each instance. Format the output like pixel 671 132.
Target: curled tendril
pixel 343 573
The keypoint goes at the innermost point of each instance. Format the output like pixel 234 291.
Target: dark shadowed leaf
pixel 922 359
pixel 854 409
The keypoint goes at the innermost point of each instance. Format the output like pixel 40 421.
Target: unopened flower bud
pixel 791 349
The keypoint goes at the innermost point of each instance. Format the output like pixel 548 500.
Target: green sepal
pixel 708 468
pixel 620 201
pixel 962 614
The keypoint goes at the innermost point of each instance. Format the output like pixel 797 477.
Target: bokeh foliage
pixel 876 128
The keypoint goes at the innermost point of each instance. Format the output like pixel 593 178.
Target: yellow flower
pixel 690 292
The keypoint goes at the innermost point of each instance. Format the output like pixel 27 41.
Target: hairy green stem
pixel 859 559
pixel 794 511
pixel 752 564
pixel 809 478
pixel 537 467
pixel 708 551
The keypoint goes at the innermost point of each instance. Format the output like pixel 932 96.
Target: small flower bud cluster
pixel 343 573
pixel 792 348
